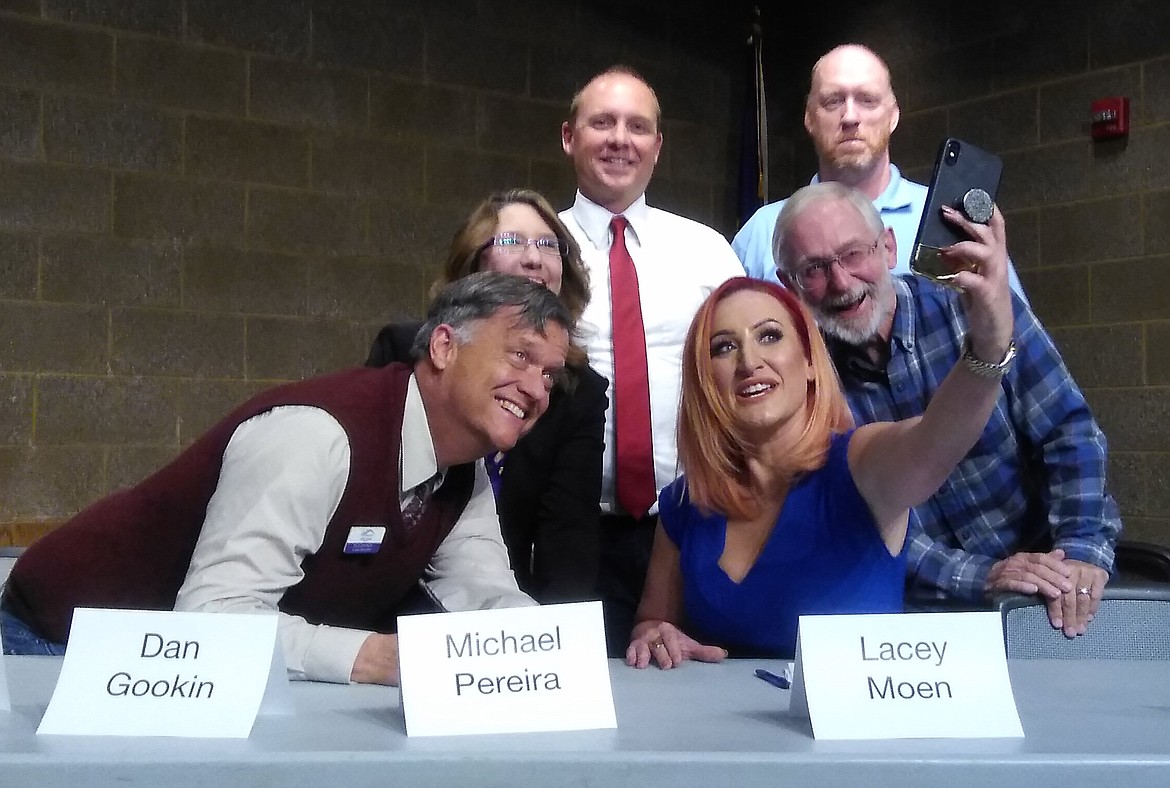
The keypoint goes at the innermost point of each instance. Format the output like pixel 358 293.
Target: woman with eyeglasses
pixel 548 486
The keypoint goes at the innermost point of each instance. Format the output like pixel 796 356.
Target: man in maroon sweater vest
pixel 329 500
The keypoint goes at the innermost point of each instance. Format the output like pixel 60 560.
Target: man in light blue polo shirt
pixel 850 114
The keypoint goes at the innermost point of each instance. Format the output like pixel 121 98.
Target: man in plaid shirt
pixel 1027 510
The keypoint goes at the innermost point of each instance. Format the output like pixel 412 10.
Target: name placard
pixel 5 699
pixel 155 673
pixel 505 671
pixel 904 676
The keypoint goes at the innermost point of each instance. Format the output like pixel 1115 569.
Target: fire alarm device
pixel 1109 118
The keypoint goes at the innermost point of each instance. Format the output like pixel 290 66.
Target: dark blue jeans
pixel 19 639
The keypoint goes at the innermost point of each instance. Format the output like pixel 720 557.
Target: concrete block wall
pixel 199 198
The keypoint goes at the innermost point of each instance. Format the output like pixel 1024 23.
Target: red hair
pixel 711 448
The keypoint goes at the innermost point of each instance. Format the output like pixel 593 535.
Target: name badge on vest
pixel 364 539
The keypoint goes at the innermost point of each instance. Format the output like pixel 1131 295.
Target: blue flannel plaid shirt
pixel 1034 481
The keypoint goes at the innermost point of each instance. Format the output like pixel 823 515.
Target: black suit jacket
pixel 551 483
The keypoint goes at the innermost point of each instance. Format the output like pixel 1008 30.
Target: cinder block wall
pixel 199 198
pixel 1088 222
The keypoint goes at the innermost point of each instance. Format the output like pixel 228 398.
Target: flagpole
pixel 753 155
pixel 757 42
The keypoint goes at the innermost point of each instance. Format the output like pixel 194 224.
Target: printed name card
pixel 5 699
pixel 904 676
pixel 505 671
pixel 154 673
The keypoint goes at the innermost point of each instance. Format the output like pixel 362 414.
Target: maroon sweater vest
pixel 132 548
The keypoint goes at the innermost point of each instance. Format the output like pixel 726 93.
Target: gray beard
pixel 857 333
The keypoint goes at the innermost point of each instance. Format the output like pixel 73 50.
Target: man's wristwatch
pixel 986 369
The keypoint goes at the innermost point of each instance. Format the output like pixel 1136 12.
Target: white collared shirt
pixel 416 455
pixel 283 475
pixel 679 262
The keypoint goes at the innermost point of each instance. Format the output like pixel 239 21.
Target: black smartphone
pixel 966 178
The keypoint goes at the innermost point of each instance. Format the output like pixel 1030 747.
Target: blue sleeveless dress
pixel 823 556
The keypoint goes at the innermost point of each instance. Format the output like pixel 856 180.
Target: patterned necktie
pixel 634 452
pixel 416 502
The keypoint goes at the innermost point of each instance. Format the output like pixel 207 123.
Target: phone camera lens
pixel 952 152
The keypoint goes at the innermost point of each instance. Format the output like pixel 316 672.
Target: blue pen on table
pixel 772 678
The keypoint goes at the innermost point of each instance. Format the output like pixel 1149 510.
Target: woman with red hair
pixel 785 509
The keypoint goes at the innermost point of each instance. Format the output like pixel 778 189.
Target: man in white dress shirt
pixel 327 500
pixel 613 136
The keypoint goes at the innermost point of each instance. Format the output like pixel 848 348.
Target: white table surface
pixel 1085 723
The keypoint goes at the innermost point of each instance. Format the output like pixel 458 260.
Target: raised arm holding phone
pixel 1027 510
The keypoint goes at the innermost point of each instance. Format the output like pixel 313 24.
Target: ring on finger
pixel 657 644
pixel 1084 590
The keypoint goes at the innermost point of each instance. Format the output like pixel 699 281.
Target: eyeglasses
pixel 514 243
pixel 814 273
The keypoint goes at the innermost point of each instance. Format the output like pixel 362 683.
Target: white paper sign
pixel 904 676
pixel 505 671
pixel 5 699
pixel 278 699
pixel 155 673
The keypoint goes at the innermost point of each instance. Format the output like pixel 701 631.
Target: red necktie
pixel 634 455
